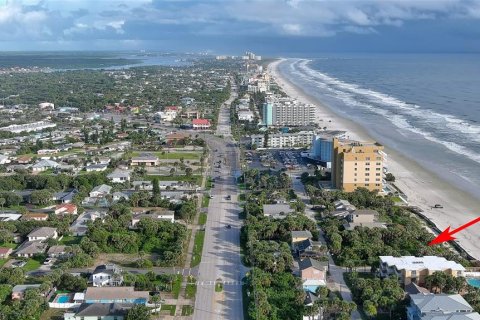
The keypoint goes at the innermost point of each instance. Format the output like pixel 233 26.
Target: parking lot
pixel 277 160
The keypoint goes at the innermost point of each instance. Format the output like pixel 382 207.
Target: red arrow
pixel 446 234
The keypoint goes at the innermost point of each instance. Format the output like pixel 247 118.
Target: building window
pixel 367 163
pixel 367 158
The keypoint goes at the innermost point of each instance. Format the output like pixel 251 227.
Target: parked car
pixel 19 264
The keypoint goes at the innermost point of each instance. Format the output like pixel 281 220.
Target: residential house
pixel 414 269
pixel 107 275
pixel 119 176
pixel 65 196
pixel 57 251
pixel 363 218
pixel 309 301
pixel 116 294
pixel 313 273
pixel 175 137
pixel 342 208
pixel 9 216
pixel 19 290
pixel 44 165
pixel 299 236
pixel 440 306
pixel 5 252
pixel 96 167
pixel 29 249
pixel 34 216
pixel 277 211
pixel 66 208
pixel 4 159
pixel 100 191
pixel 152 213
pixel 80 226
pixel 95 311
pixel 24 159
pixel 147 160
pixel 201 124
pixel 125 194
pixel 42 234
pixel 142 185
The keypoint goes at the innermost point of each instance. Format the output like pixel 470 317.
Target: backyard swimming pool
pixel 63 299
pixel 474 282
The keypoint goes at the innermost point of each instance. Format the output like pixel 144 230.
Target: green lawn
pixel 70 240
pixel 205 201
pixel 9 245
pixel 187 310
pixel 178 155
pixel 177 284
pixel 32 264
pixel 3 261
pixel 202 219
pixel 197 248
pixel 190 290
pixel 169 307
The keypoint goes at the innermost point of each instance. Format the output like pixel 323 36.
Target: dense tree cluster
pixel 377 295
pixel 274 296
pixel 404 235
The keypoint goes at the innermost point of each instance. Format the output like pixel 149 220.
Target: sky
pixel 229 26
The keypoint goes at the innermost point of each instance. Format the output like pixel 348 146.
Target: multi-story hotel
pixel 287 112
pixel 357 164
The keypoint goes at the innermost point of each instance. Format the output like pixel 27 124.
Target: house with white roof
pixel 414 269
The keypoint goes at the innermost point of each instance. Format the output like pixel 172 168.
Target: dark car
pixel 229 197
pixel 228 226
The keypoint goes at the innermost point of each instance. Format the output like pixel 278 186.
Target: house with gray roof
pixel 100 191
pixel 44 165
pixel 119 176
pixel 42 233
pixel 94 311
pixel 440 307
pixel 29 249
pixel 277 211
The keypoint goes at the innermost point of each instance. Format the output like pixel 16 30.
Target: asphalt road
pixel 221 259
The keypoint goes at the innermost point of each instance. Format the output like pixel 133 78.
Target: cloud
pixel 80 20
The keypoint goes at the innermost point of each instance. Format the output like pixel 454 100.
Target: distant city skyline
pixel 265 26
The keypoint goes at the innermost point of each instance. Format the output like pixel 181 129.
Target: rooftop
pixel 420 263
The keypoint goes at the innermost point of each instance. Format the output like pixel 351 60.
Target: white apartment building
pixel 283 140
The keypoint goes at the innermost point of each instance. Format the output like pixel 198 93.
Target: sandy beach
pixel 422 187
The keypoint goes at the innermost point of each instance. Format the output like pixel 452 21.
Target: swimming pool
pixel 63 299
pixel 474 282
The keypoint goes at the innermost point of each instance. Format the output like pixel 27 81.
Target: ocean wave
pixel 401 114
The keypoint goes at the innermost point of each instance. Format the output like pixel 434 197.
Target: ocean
pixel 424 106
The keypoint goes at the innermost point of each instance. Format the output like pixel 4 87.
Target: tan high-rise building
pixel 357 164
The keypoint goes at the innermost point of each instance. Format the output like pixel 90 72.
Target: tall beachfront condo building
pixel 267 113
pixel 357 164
pixel 287 112
pixel 322 146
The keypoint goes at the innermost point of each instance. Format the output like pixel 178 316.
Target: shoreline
pixel 423 188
